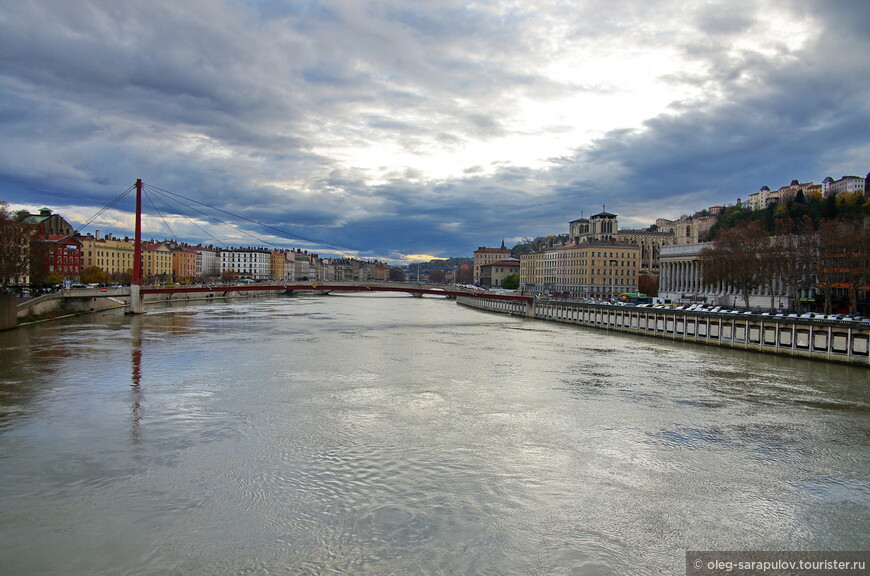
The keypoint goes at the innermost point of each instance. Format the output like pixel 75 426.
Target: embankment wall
pixel 836 341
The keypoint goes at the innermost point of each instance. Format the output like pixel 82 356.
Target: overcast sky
pixel 409 129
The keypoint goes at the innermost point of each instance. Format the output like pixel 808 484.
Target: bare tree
pixel 648 284
pixel 397 274
pixel 796 247
pixel 438 276
pixel 739 257
pixel 856 262
pixel 14 247
pixel 465 274
pixel 833 246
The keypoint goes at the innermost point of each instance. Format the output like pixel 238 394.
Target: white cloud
pixel 479 119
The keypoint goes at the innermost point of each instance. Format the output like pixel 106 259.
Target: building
pixel 60 255
pixel 590 269
pixel 766 197
pixel 283 265
pixel 249 263
pixel 156 262
pixel 492 275
pixel 342 269
pixel 48 224
pixel 604 227
pixel 183 263
pixel 111 255
pixel 485 255
pixel 308 267
pixel 846 184
pixel 680 278
pixel 380 271
pixel 650 243
pixel 687 229
pixel 682 281
pixel 759 200
pixel 208 263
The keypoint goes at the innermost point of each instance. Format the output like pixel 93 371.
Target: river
pixel 399 435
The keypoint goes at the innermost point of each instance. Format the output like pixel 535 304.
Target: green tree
pixel 511 282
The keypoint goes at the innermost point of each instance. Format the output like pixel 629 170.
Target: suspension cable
pixel 280 231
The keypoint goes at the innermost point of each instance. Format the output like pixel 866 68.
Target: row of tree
pixel 798 256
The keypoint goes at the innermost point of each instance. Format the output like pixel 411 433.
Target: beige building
pixel 111 255
pixel 687 229
pixel 156 262
pixel 493 274
pixel 604 227
pixel 591 269
pixel 380 271
pixel 283 265
pixel 484 256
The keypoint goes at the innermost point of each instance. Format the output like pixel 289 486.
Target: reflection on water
pixel 373 435
pixel 136 395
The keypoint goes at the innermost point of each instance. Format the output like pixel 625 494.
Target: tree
pixel 39 254
pixel 229 275
pixel 738 258
pixel 647 284
pixel 14 240
pixel 397 274
pixel 53 278
pixel 122 277
pixel 511 282
pixel 465 274
pixel 833 247
pixel 796 249
pixel 438 276
pixel 856 262
pixel 94 275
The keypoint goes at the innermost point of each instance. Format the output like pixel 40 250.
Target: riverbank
pixel 56 306
pixel 834 341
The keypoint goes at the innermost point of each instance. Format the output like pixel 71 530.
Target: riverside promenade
pixel 830 340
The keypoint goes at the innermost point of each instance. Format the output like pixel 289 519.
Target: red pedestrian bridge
pixel 416 289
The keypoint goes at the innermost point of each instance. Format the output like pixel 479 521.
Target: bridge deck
pixel 407 287
pixel 410 288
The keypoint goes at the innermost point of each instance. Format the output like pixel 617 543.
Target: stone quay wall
pixel 836 341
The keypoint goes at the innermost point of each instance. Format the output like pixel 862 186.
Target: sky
pixel 404 130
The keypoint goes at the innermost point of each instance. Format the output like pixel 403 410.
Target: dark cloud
pixel 320 117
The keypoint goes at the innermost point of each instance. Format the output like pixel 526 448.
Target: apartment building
pixel 592 269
